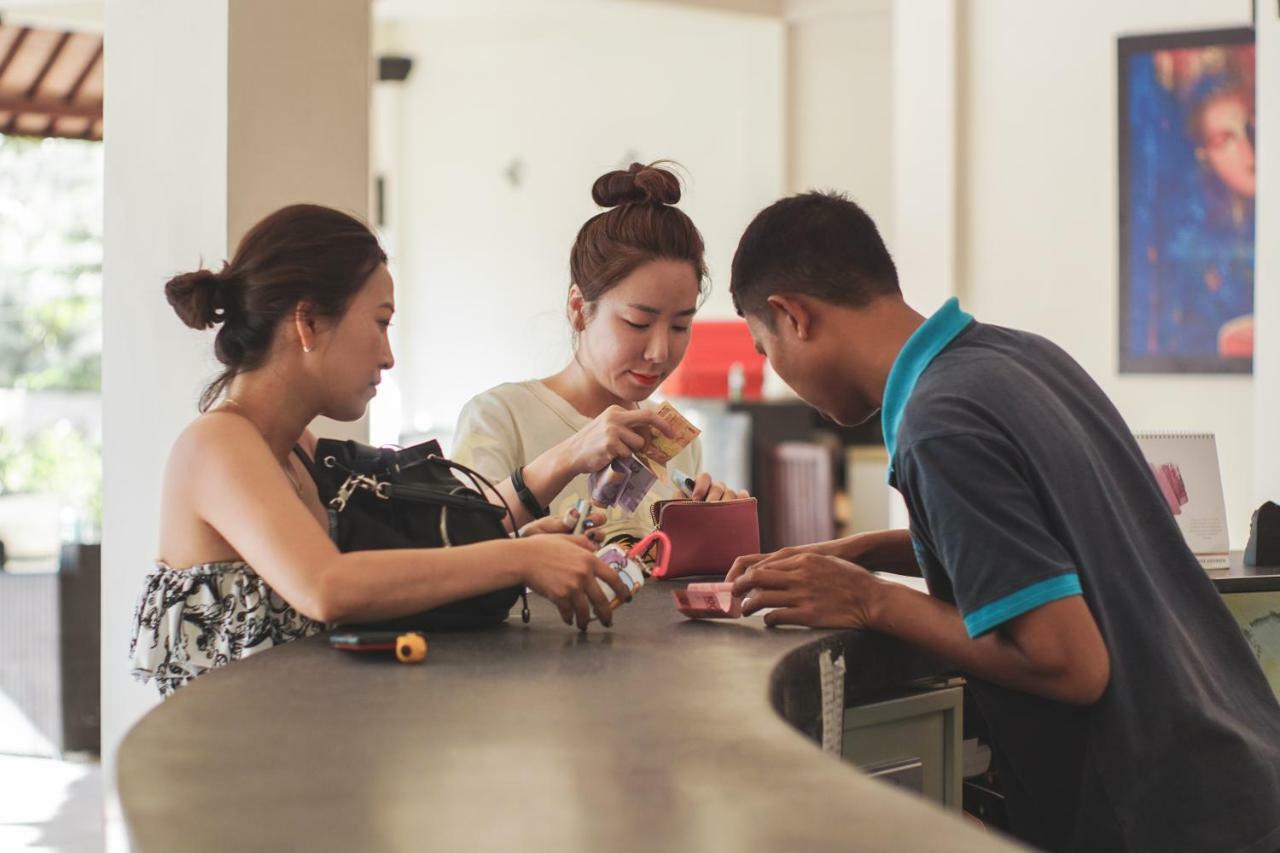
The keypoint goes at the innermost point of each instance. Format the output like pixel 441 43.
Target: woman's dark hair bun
pixel 197 298
pixel 639 184
pixel 300 252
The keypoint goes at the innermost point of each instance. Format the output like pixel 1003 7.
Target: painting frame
pixel 1140 287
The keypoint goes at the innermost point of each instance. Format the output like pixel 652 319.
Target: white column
pixel 1266 357
pixel 165 211
pixel 219 111
pixel 300 81
pixel 925 63
pixel 839 101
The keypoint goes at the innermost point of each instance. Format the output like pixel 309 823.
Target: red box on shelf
pixel 715 346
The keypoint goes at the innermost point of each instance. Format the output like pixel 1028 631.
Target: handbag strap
pixel 306 460
pixel 407 457
pixel 394 460
pixel 437 495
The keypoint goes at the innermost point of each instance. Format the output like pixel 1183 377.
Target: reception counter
pixel 659 734
pixel 1252 594
pixel 1241 578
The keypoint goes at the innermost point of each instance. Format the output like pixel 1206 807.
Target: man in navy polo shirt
pixel 1126 710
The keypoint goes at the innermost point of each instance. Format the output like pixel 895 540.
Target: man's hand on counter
pixel 1055 650
pixel 877 550
pixel 809 588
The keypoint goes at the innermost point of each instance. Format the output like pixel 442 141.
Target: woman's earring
pixel 306 348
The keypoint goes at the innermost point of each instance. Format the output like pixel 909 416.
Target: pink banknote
pixel 708 601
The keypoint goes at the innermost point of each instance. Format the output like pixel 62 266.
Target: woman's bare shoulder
pixel 214 437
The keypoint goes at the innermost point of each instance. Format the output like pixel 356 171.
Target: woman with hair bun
pixel 636 279
pixel 246 561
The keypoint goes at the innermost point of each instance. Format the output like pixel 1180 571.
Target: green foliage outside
pixel 50 264
pixel 51 311
pixel 60 459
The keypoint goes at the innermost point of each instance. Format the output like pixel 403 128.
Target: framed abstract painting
pixel 1187 191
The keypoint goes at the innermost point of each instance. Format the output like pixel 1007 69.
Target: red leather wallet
pixel 706 537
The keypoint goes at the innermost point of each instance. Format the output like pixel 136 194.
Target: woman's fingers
pixel 606 573
pixel 551 524
pixel 600 604
pixel 567 523
pixel 566 610
pixel 581 609
pixel 647 418
pixel 633 440
pixel 701 486
pixel 707 489
pixel 623 445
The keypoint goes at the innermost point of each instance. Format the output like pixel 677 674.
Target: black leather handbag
pixel 383 497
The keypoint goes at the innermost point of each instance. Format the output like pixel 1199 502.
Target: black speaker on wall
pixel 1264 537
pixel 394 68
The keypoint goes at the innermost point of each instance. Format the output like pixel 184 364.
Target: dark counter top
pixel 660 734
pixel 1242 578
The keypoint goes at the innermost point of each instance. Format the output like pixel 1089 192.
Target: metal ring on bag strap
pixel 444 518
pixel 444 526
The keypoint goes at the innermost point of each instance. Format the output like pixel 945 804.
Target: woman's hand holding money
pixel 615 433
pixel 564 569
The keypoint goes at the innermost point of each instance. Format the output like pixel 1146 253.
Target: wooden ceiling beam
pixel 84 74
pixel 76 86
pixel 34 89
pixel 55 109
pixel 13 50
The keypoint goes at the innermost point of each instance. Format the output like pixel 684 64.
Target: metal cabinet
pixel 912 740
pixel 1258 615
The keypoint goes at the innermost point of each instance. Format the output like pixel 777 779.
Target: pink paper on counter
pixel 708 601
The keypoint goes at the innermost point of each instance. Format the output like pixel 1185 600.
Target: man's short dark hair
pixel 819 244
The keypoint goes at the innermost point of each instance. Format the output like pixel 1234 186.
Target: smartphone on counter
pixel 407 646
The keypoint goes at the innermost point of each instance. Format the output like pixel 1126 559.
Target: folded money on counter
pixel 708 601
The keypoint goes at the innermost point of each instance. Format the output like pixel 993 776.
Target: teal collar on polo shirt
pixel 917 354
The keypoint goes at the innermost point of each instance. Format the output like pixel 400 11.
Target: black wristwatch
pixel 527 498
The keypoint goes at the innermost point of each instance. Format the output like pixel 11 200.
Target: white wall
pixel 1266 359
pixel 839 100
pixel 568 94
pixel 1037 202
pixel 925 168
